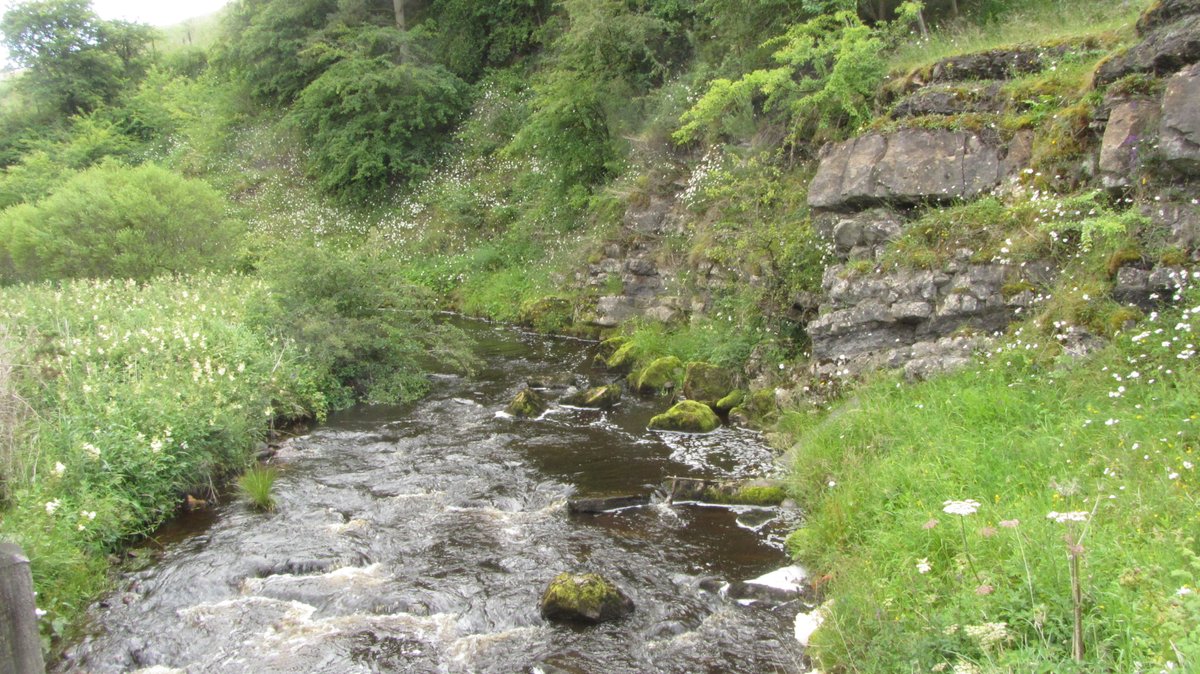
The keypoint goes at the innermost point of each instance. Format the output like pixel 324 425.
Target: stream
pixel 419 538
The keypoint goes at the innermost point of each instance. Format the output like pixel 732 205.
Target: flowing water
pixel 420 538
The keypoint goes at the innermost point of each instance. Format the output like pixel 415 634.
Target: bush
pixel 371 334
pixel 117 221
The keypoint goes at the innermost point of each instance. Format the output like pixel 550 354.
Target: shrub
pixel 359 323
pixel 116 221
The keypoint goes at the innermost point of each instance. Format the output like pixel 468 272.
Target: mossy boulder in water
pixel 688 416
pixel 726 404
pixel 754 492
pixel 601 397
pixel 528 403
pixel 706 383
pixel 757 411
pixel 588 597
pixel 659 375
pixel 622 356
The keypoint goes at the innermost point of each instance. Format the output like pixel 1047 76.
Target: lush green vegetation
pixel 253 217
pixel 1026 434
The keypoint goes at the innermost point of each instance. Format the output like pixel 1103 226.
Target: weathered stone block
pixel 1132 128
pixel 1180 129
pixel 908 167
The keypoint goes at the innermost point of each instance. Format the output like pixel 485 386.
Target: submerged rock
pixel 528 403
pixel 602 504
pixel 659 375
pixel 688 416
pixel 601 397
pixel 588 597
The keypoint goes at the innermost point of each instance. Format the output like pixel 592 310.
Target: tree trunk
pixel 401 21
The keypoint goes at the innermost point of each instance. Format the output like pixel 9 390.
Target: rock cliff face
pixel 872 312
pixel 926 321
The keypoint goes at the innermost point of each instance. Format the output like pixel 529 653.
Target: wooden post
pixel 20 647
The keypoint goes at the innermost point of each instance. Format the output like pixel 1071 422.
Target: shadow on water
pixel 419 538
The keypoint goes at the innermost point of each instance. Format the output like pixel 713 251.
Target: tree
pixel 263 42
pixel 75 60
pixel 377 113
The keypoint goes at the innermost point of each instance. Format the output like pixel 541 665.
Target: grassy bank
pixel 121 397
pixel 1029 432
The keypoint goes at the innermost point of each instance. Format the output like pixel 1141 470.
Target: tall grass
pixel 1111 440
pixel 1034 23
pixel 257 485
pixel 142 392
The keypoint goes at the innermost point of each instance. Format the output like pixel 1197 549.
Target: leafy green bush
pixel 829 70
pixel 376 114
pixel 568 128
pixel 357 321
pixel 262 45
pixel 113 220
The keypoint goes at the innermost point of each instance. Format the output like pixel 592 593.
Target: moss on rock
pixel 725 405
pixel 756 411
pixel 587 597
pixel 706 383
pixel 660 374
pixel 601 397
pixel 622 357
pixel 757 493
pixel 527 403
pixel 688 416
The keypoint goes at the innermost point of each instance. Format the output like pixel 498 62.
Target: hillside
pixel 945 254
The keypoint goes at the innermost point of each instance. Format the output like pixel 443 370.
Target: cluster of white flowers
pixel 1064 518
pixel 961 508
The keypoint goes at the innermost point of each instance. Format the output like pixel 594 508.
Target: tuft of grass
pixel 257 486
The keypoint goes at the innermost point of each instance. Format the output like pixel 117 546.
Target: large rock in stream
pixel 688 416
pixel 601 397
pixel 527 403
pixel 588 598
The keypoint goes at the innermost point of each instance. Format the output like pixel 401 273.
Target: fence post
pixel 20 646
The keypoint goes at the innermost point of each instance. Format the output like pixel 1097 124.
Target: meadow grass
pixel 1036 23
pixel 130 395
pixel 1100 450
